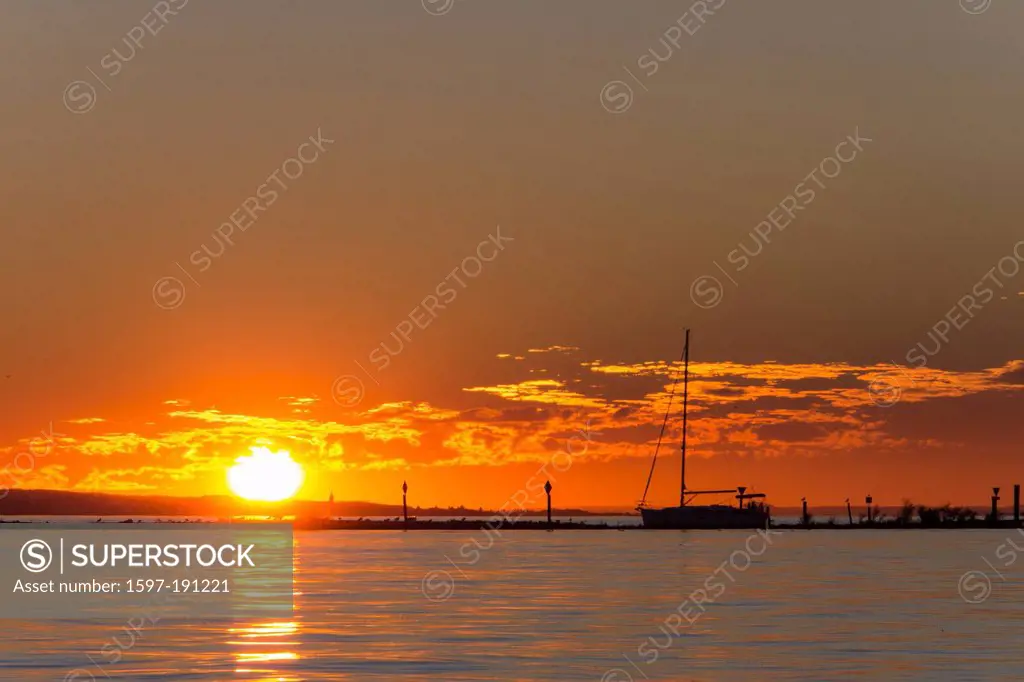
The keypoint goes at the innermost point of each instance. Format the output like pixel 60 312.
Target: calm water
pixel 818 605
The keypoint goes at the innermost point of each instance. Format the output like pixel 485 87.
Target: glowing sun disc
pixel 265 476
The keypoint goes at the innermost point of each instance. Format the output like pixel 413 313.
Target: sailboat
pixel 749 512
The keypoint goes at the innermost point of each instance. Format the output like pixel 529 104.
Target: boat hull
pixel 698 517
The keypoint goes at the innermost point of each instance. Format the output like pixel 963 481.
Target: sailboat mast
pixel 661 436
pixel 686 382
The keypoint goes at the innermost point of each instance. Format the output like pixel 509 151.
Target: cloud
pixel 792 432
pixel 385 464
pixel 553 349
pixel 764 410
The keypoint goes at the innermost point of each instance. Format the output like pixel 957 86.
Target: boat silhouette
pixel 749 513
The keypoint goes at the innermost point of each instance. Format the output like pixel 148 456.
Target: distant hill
pixel 62 503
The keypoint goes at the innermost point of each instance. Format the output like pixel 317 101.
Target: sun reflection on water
pixel 267 644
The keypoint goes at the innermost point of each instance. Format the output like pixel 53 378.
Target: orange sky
pixel 792 430
pixel 161 353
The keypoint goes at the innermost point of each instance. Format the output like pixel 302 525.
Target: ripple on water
pixel 574 605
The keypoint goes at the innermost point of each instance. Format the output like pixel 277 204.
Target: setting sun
pixel 265 476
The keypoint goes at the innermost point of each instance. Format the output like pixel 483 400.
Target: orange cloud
pixel 763 410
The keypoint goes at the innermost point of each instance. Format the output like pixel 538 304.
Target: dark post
pixel 405 508
pixel 995 506
pixel 868 501
pixel 849 511
pixel 806 519
pixel 1016 504
pixel 547 489
pixel 741 489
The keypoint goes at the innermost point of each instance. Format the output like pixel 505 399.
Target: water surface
pixel 584 605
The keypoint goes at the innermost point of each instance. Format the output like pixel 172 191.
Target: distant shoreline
pixel 61 503
pixel 522 523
